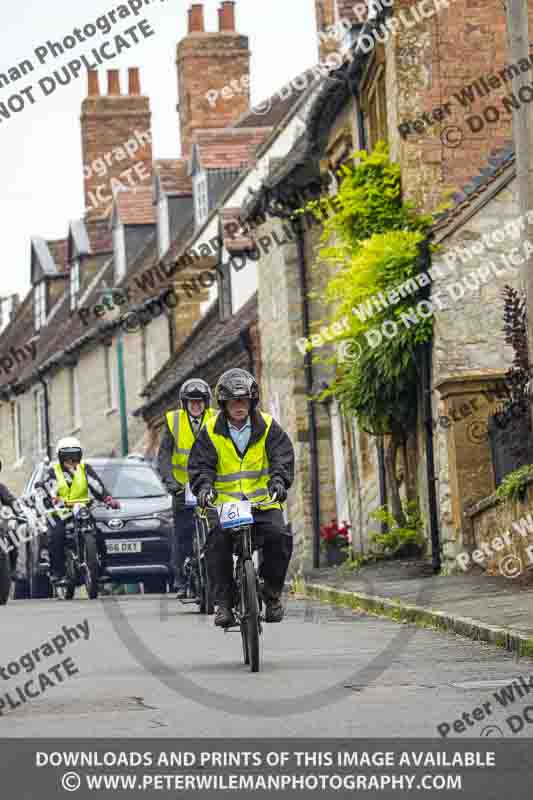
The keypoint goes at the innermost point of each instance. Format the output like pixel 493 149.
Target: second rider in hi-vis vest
pixel 182 428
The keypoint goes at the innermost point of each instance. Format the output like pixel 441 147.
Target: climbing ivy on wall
pixel 372 242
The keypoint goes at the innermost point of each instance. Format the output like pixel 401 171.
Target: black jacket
pixel 96 487
pixel 6 498
pixel 280 452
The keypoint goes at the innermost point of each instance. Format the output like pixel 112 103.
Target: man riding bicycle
pixel 70 480
pixel 183 427
pixel 243 454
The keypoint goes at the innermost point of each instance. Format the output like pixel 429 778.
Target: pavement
pixel 494 609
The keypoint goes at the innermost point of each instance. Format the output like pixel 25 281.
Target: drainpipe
pixel 308 369
pixel 427 412
pixel 46 416
pixel 122 396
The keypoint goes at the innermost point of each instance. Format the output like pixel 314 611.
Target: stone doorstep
pixel 511 640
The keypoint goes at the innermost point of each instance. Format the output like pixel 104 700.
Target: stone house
pixel 371 98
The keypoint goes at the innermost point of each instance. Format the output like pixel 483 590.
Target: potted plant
pixel 335 540
pixel 396 541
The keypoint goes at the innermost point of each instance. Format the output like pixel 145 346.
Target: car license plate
pixel 123 547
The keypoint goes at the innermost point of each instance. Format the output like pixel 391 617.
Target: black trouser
pixel 56 546
pixel 270 533
pixel 181 541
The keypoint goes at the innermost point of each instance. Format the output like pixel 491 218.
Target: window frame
pixel 75 284
pixel 201 197
pixel 39 411
pixel 110 383
pixel 16 421
pixel 119 252
pixel 75 399
pixel 40 298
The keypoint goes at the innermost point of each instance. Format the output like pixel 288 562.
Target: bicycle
pixel 195 566
pixel 237 518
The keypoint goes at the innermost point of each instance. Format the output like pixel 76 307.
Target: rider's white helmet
pixel 69 449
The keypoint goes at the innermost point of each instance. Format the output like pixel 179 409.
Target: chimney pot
pixel 113 82
pixel 134 81
pixel 196 18
pixel 93 84
pixel 227 16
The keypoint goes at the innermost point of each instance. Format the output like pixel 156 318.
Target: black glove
pixel 277 487
pixel 206 495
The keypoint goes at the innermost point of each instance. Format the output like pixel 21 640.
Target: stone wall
pixel 470 359
pixel 502 536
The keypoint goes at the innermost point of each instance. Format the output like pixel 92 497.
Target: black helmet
pixel 195 389
pixel 235 384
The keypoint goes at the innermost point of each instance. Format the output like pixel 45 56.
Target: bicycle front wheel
pixel 251 615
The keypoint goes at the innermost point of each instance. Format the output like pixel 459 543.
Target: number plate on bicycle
pixel 233 515
pixel 190 498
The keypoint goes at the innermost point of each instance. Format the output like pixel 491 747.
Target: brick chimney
pixel 207 63
pixel 116 138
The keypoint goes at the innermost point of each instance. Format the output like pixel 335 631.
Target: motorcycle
pixel 82 560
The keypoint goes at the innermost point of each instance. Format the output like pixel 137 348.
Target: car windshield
pixel 128 482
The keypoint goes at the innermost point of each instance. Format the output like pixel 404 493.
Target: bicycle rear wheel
pixel 251 615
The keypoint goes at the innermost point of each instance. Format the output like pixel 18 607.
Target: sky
pixel 40 146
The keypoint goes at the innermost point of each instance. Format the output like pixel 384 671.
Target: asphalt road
pixel 153 667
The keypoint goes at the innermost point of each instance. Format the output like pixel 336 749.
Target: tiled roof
pixel 228 148
pixel 135 206
pixel 272 111
pixel 173 175
pixel 204 345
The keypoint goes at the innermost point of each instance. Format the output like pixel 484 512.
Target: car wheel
pixel 155 585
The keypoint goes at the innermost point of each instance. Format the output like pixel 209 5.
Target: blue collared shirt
pixel 241 436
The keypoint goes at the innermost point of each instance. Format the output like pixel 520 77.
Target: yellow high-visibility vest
pixel 243 478
pixel 180 428
pixel 78 489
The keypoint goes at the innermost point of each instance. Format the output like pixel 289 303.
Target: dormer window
pixel 39 305
pixel 119 250
pixel 74 285
pixel 201 201
pixel 163 225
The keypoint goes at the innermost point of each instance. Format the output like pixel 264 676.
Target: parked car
pixel 134 541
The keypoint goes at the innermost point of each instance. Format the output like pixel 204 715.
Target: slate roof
pixel 173 176
pixel 205 345
pixel 135 206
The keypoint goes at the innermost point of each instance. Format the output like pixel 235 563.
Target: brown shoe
pixel 224 618
pixel 274 610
